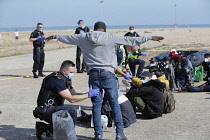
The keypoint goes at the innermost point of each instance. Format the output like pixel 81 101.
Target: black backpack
pixel 169 101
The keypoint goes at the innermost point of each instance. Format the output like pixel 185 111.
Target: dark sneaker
pixel 79 71
pixel 121 137
pixel 35 75
pixel 98 137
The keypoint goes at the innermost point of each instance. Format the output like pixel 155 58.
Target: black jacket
pixel 153 97
pixel 134 34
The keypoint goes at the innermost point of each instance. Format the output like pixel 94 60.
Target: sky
pixel 27 13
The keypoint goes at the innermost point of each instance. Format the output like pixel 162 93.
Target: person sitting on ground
pixel 169 72
pixel 206 65
pixel 202 88
pixel 153 62
pixel 157 74
pixel 132 33
pixel 147 95
pixel 55 88
pixel 182 54
pixel 184 77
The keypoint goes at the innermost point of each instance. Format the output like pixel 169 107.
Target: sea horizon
pixel 12 29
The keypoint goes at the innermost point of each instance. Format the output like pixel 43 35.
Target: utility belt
pixel 39 110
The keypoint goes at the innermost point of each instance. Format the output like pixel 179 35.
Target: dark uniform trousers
pixel 78 61
pixel 47 116
pixel 38 57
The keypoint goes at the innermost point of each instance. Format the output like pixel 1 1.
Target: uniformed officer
pixel 38 39
pixel 55 88
pixel 81 29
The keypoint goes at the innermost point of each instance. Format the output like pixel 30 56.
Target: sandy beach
pixel 193 38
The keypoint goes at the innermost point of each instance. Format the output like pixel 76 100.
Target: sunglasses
pixel 39 27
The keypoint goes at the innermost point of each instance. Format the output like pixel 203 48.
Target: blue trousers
pixel 105 81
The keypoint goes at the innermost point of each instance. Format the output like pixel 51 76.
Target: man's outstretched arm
pixel 134 41
pixel 68 39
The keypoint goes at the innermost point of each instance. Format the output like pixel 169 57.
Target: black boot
pixel 121 137
pixel 40 129
pixel 35 75
pixel 41 74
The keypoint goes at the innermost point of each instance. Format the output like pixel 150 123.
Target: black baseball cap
pixel 146 74
pixel 100 25
pixel 153 59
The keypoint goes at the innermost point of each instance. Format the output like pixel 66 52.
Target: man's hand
pixel 39 37
pixel 127 77
pixel 93 92
pixel 157 38
pixel 50 37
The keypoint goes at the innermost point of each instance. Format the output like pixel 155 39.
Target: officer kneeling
pixel 55 88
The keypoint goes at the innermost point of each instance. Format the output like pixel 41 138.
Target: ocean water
pixel 108 27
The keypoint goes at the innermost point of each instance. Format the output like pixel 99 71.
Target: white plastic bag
pixel 63 126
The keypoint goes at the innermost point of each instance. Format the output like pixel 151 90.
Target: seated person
pixel 206 66
pixel 147 95
pixel 184 77
pixel 202 88
pixel 153 62
pixel 55 88
pixel 134 60
pixel 157 74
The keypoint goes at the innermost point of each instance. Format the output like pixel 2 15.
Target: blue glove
pixel 144 54
pixel 93 92
pixel 130 73
pixel 44 37
pixel 39 37
pixel 127 77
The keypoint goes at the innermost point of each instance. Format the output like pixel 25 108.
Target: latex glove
pixel 50 37
pixel 93 92
pixel 44 37
pixel 127 77
pixel 157 38
pixel 130 73
pixel 39 37
pixel 144 54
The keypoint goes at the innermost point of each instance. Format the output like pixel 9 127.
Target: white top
pixel 16 33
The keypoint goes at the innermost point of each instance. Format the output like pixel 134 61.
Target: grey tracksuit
pixel 98 47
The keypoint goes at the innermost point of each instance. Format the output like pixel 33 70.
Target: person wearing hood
pixel 131 32
pixel 99 53
pixel 184 77
pixel 147 95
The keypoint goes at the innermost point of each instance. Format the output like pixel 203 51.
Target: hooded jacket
pixel 99 49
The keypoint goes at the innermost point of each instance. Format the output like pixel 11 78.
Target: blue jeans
pixel 105 81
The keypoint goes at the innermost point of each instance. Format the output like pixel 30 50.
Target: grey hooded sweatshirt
pixel 99 49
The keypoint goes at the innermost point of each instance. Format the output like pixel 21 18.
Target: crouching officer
pixel 55 88
pixel 38 39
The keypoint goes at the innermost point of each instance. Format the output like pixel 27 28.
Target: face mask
pixel 131 31
pixel 144 81
pixel 150 65
pixel 70 75
pixel 129 52
pixel 206 60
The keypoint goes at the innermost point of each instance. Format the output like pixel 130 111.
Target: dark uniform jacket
pixel 40 42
